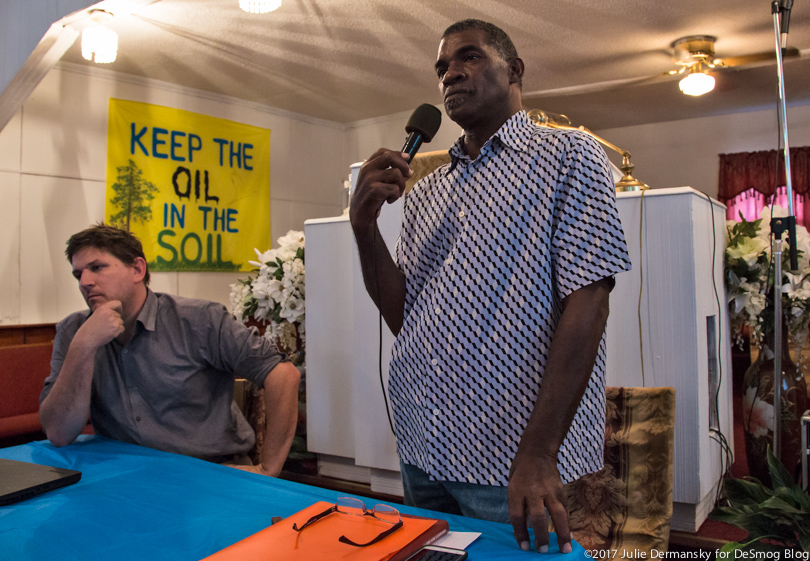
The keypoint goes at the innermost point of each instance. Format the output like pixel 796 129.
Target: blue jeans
pixel 486 502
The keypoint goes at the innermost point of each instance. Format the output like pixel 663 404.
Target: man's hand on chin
pixel 104 324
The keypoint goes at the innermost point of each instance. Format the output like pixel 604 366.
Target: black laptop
pixel 23 480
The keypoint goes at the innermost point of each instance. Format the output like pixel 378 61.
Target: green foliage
pixel 133 196
pixel 780 515
pixel 179 265
pixel 741 230
pixel 251 304
pixel 738 235
pixel 750 278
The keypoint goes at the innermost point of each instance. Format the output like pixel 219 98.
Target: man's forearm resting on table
pixel 66 410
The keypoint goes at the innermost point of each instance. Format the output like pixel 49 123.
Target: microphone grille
pixel 425 120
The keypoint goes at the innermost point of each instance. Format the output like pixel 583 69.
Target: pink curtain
pixel 747 179
pixel 750 203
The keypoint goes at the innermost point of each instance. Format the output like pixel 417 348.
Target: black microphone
pixel 784 21
pixel 421 127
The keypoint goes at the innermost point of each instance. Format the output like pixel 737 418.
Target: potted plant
pixel 776 517
pixel 750 282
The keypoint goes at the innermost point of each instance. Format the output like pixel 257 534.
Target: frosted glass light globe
pixel 697 83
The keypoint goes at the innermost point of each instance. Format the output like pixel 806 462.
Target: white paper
pixel 457 540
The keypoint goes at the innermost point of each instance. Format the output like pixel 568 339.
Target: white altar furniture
pixel 669 310
pixel 347 422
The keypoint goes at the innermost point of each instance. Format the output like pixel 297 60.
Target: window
pixel 747 178
pixel 751 202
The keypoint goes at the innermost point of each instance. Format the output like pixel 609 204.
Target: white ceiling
pixel 601 62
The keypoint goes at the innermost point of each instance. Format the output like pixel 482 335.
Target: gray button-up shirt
pixel 171 386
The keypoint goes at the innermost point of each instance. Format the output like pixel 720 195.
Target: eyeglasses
pixel 356 507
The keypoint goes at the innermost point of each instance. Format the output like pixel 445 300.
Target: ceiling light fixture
pixel 693 53
pixel 697 82
pixel 99 43
pixel 259 6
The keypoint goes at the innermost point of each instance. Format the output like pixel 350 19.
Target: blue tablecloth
pixel 142 504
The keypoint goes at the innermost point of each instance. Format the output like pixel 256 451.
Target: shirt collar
pixel 515 133
pixel 148 315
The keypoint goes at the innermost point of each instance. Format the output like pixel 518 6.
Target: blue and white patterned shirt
pixel 489 249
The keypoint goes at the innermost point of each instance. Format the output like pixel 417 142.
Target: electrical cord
pixel 719 306
pixel 726 459
pixel 380 343
pixel 767 286
pixel 726 452
pixel 641 286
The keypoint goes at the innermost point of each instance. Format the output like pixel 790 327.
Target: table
pixel 137 503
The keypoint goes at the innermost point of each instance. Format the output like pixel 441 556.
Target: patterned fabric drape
pixel 626 507
pixel 757 170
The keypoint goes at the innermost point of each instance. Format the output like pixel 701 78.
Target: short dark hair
pixel 496 36
pixel 120 243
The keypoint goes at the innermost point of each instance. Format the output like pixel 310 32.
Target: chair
pixel 250 401
pixel 23 369
pixel 628 504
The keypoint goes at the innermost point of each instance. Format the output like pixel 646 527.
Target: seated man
pixel 158 370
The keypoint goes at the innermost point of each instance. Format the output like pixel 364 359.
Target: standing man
pixel 498 297
pixel 158 370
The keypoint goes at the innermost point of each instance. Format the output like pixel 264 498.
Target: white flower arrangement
pixel 750 278
pixel 275 296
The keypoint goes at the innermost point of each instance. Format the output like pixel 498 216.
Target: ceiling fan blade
pixel 757 58
pixel 599 86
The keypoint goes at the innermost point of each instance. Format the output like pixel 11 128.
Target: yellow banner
pixel 195 189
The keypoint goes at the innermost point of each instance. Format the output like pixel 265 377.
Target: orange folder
pixel 319 541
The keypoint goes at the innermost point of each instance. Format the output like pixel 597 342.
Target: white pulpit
pixel 670 310
pixel 347 423
pixel 668 326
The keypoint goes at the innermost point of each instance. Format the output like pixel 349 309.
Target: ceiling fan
pixel 693 55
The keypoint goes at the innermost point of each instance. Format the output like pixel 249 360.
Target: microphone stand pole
pixel 778 227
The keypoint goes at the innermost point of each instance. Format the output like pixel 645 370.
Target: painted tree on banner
pixel 133 196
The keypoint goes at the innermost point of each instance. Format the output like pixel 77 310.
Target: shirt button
pixel 137 418
pixel 125 351
pixel 434 362
pixel 461 214
pixel 438 310
pixel 435 411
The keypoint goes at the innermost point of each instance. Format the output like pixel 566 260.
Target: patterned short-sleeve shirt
pixel 489 248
